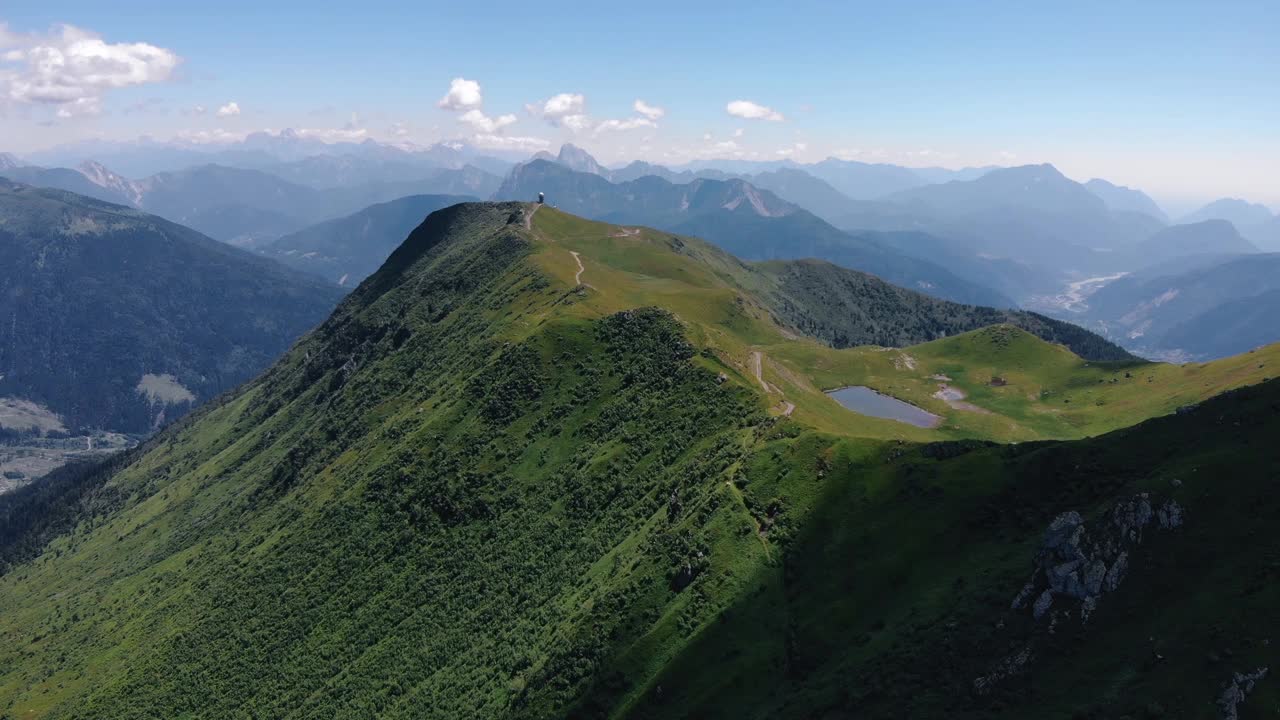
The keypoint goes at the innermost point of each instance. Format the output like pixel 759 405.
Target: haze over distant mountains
pixel 1195 307
pixel 252 205
pixel 1023 232
pixel 991 235
pixel 751 223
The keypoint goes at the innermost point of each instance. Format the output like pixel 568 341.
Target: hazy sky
pixel 1180 99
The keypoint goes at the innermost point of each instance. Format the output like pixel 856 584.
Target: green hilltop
pixel 541 467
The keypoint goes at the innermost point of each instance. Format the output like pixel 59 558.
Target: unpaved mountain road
pixel 528 217
pixel 577 277
pixel 757 367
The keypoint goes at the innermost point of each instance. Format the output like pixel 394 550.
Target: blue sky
pixel 1178 98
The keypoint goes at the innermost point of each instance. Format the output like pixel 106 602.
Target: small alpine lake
pixel 865 401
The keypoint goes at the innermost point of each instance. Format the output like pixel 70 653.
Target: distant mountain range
pixel 119 320
pixel 1118 197
pixel 260 150
pixel 1197 307
pixel 1019 232
pixel 1022 233
pixel 1217 237
pixel 1254 221
pixel 749 222
pixel 249 207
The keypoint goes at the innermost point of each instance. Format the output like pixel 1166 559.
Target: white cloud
pixel 706 136
pixel 198 110
pixel 346 133
pixel 628 124
pixel 651 112
pixel 399 130
pixel 576 123
pixel 485 124
pixel 231 109
pixel 506 142
pixel 72 69
pixel 463 95
pixel 738 133
pixel 567 110
pixel 80 108
pixel 752 111
pixel 208 137
pixel 564 105
pixel 792 151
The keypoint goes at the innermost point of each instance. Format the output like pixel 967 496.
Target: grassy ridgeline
pixel 479 491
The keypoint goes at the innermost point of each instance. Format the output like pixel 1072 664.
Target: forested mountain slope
pixel 535 467
pixel 115 319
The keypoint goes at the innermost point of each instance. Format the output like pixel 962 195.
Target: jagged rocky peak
pixel 102 176
pixel 575 158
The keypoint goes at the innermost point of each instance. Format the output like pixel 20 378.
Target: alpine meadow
pixel 911 364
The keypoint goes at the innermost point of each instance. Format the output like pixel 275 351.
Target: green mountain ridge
pixel 540 467
pixel 748 222
pixel 347 250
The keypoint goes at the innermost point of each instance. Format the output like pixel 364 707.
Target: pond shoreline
pixel 870 402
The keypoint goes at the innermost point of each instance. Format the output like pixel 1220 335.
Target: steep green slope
pixel 381 490
pixel 119 320
pixel 347 250
pixel 499 483
pixel 892 592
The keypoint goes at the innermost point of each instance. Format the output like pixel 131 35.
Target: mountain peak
pixel 1120 197
pixel 1241 213
pixel 575 158
pixel 8 162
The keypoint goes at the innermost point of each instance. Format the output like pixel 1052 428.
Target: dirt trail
pixel 528 217
pixel 757 367
pixel 577 277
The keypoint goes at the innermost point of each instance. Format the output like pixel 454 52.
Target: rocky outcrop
pixel 1235 692
pixel 1080 562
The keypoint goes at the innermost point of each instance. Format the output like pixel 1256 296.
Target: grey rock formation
pixel 1170 515
pixel 1084 561
pixel 1235 692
